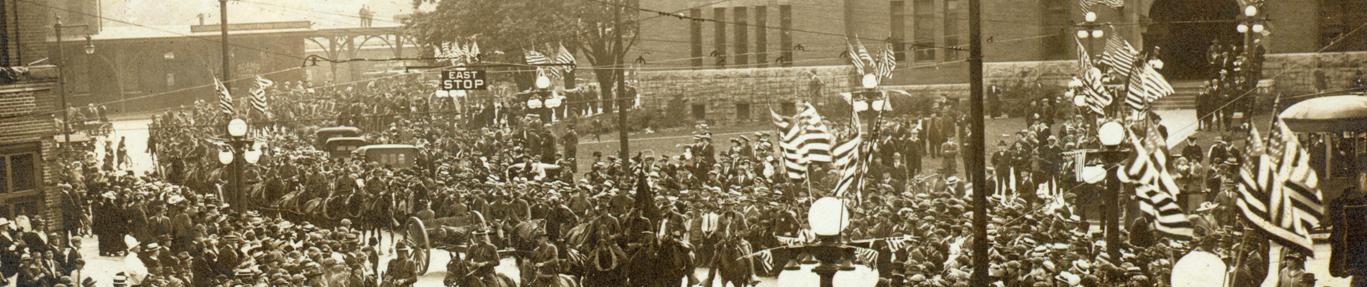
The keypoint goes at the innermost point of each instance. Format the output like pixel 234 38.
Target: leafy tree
pixel 504 28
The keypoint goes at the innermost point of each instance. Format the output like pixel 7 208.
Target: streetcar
pixel 1333 129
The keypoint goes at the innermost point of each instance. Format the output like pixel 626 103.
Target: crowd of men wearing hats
pixel 513 171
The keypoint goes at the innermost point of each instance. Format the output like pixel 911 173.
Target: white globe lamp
pixel 828 216
pixel 870 81
pixel 1111 133
pixel 237 127
pixel 543 82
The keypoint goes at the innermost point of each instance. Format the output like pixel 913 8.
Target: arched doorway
pixel 1183 31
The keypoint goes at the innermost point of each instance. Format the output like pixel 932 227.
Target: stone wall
pixel 1297 73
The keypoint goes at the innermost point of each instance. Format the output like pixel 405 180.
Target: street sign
pixel 463 80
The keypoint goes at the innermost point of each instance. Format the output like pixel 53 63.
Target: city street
pixel 134 130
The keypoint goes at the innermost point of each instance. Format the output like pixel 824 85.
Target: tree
pixel 504 28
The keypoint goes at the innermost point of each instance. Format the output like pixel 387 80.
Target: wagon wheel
pixel 416 236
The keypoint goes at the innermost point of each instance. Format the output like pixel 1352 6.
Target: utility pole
pixel 978 143
pixel 223 31
pixel 621 93
pixel 61 87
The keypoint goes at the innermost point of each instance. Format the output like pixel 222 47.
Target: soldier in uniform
pixel 401 271
pixel 546 258
pixel 482 255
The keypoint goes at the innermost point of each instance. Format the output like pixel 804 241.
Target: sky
pixel 323 13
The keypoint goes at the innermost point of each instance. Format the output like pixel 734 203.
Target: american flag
pixel 850 161
pixel 854 59
pixel 815 141
pixel 864 56
pixel 259 95
pixel 1119 55
pixel 225 100
pixel 793 165
pixel 868 256
pixel 1147 86
pixel 538 59
pixel 1088 4
pixel 563 56
pixel 1098 97
pixel 804 139
pixel 1157 190
pixel 888 63
pixel 1283 199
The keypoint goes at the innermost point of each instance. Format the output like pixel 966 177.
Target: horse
pixel 733 262
pixel 459 273
pixel 602 264
pixel 660 263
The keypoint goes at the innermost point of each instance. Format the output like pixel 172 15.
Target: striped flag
pixel 854 59
pixel 259 95
pixel 1168 215
pixel 1084 60
pixel 1119 55
pixel 849 161
pixel 1098 97
pixel 1088 4
pixel 864 54
pixel 563 56
pixel 1283 199
pixel 787 132
pixel 1157 190
pixel 537 59
pixel 1147 86
pixel 225 100
pixel 868 256
pixel 814 142
pixel 888 63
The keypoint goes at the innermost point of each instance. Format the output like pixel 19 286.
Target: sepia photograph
pixel 683 143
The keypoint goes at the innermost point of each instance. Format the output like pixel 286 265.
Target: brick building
pixel 27 148
pixel 929 35
pixel 785 44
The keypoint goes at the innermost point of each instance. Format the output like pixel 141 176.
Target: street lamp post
pixel 61 78
pixel 1089 30
pixel 1111 134
pixel 828 218
pixel 1250 24
pixel 871 99
pixel 543 98
pixel 239 152
pixel 223 33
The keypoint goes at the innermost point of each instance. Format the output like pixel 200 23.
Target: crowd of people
pixel 1234 74
pixel 310 218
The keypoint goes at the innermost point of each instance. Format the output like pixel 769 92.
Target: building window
pixel 899 24
pixel 951 17
pixel 742 41
pixel 699 112
pixel 695 36
pixel 719 36
pixel 785 37
pixel 761 35
pixel 170 80
pixel 1338 17
pixel 925 30
pixel 743 111
pixel 19 170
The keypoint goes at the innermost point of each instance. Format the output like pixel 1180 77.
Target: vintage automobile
pixel 341 147
pixel 323 134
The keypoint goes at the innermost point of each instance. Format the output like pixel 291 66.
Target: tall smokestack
pixel 201 18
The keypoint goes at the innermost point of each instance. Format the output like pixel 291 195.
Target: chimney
pixel 201 18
